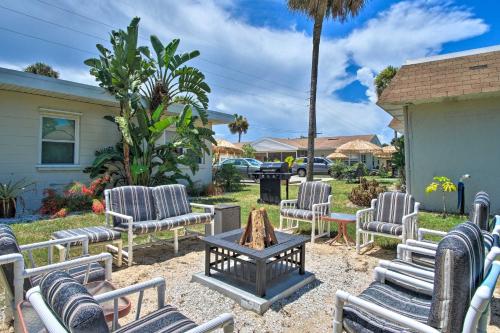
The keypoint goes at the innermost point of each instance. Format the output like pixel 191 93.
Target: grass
pixel 246 198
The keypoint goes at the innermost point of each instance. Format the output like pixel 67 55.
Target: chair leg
pixel 119 256
pixel 313 230
pixel 176 241
pixel 358 240
pixel 130 249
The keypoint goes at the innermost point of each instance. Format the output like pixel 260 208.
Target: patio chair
pixel 456 301
pixel 313 201
pixel 140 210
pixel 17 278
pixel 393 215
pixel 65 306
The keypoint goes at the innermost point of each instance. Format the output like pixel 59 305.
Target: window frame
pixel 51 113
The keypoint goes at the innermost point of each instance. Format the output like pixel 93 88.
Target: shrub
pixel 52 202
pixel 338 170
pixel 98 206
pixel 289 160
pixel 365 192
pixel 63 212
pixel 228 177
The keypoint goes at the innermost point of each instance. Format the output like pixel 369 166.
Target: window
pixel 363 158
pixel 59 139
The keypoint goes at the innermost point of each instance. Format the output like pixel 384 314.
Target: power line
pixel 223 66
pixel 93 53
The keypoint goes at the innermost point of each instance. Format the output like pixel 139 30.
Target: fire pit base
pixel 244 294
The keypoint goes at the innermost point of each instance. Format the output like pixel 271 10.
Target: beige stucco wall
pixel 451 139
pixel 20 136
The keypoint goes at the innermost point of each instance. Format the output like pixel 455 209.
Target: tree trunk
pixel 126 162
pixel 318 24
pixel 239 137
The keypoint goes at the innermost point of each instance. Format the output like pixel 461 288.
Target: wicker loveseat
pixel 140 210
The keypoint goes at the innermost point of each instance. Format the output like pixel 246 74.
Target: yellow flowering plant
pixel 443 184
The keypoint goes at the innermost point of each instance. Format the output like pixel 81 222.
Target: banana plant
pixel 121 72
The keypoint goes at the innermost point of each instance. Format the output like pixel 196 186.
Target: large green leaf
pixel 159 50
pixel 163 124
pixel 138 169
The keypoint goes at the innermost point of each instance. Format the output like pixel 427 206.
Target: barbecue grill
pixel 270 176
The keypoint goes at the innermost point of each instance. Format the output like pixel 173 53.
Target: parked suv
pixel 321 166
pixel 245 166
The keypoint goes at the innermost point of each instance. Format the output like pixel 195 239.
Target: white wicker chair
pixel 314 201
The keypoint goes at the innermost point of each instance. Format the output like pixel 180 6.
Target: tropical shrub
pixel 228 178
pixel 338 170
pixel 289 160
pixel 365 192
pixel 444 185
pixel 129 73
pixel 10 193
pixel 248 150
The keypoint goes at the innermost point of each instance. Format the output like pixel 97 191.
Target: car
pixel 321 166
pixel 245 166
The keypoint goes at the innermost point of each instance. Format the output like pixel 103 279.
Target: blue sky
pixel 256 54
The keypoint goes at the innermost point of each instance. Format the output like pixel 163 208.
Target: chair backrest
pixel 171 200
pixel 311 193
pixel 72 304
pixel 392 206
pixel 480 212
pixel 9 245
pixel 458 273
pixel 135 201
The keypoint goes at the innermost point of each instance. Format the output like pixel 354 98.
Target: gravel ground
pixel 308 310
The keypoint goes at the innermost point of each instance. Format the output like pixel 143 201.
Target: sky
pixel 256 54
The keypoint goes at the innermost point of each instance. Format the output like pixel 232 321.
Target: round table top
pixel 340 217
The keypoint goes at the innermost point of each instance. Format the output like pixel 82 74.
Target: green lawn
pixel 246 198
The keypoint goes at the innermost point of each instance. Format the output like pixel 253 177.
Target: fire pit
pixel 255 277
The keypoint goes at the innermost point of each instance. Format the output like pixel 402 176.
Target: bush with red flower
pixel 77 197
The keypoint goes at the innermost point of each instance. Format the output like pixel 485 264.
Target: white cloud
pixel 276 102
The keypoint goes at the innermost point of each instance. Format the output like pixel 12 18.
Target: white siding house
pixel 50 129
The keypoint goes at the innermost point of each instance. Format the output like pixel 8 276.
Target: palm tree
pixel 383 78
pixel 238 125
pixel 42 69
pixel 318 10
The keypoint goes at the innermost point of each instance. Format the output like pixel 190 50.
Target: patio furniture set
pixel 430 287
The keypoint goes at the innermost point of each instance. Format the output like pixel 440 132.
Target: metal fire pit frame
pixel 260 268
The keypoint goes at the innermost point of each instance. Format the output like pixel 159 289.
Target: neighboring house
pixel 50 129
pixel 280 148
pixel 449 108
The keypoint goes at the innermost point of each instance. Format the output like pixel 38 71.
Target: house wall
pixel 451 139
pixel 20 137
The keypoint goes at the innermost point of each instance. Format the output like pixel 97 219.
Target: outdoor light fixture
pixel 461 193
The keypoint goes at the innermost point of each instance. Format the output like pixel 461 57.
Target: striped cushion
pixel 72 304
pixel 311 193
pixel 488 240
pixel 458 273
pixel 96 273
pixel 382 227
pixel 167 224
pixel 9 245
pixel 391 297
pixel 165 320
pixel 94 234
pixel 297 213
pixel 135 201
pixel 392 206
pixel 480 212
pixel 171 200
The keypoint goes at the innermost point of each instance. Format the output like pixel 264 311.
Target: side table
pixel 342 221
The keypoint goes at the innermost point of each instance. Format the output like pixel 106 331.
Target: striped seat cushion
pixel 383 227
pixel 458 273
pixel 9 245
pixel 171 200
pixel 96 273
pixel 391 297
pixel 72 304
pixel 169 223
pixel 480 212
pixel 298 213
pixel 167 319
pixel 94 234
pixel 135 201
pixel 392 206
pixel 311 193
